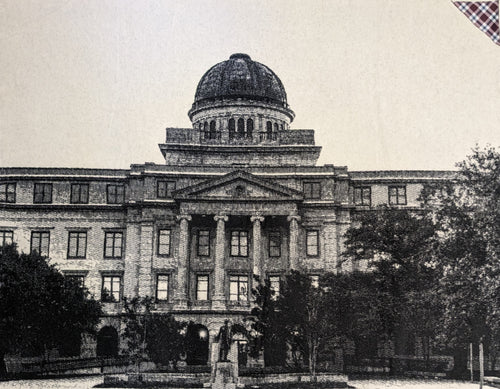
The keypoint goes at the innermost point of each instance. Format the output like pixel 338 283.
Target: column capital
pixel 293 217
pixel 257 218
pixel 223 218
pixel 184 217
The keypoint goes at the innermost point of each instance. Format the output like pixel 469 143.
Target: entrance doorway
pixel 197 344
pixel 242 352
pixel 107 342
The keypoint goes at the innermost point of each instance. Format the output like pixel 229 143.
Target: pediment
pixel 237 186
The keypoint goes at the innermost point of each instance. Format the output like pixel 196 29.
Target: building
pixel 239 195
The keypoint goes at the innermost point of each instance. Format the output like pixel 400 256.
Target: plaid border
pixel 484 15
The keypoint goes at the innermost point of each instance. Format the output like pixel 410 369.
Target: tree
pixel 41 309
pixel 399 245
pixel 468 220
pixel 156 335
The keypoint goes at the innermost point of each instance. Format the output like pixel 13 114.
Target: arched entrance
pixel 197 337
pixel 107 342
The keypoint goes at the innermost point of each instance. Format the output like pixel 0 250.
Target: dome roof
pixel 239 76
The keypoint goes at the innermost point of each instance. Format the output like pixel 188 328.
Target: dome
pixel 240 77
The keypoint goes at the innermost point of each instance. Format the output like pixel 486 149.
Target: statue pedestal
pixel 225 376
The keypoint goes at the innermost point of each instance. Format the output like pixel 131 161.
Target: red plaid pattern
pixel 484 14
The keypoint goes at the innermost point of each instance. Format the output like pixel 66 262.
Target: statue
pixel 225 339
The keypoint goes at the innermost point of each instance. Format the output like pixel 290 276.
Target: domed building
pixel 240 195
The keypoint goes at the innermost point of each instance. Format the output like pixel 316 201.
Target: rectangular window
pixel 113 244
pixel 162 287
pixel 239 243
pixel 6 237
pixel 363 195
pixel 79 193
pixel 312 243
pixel 164 238
pixel 77 279
pixel 312 190
pixel 238 288
pixel 115 194
pixel 397 195
pixel 274 244
pixel 42 193
pixel 202 287
pixel 274 283
pixel 8 193
pixel 111 289
pixel 164 189
pixel 203 243
pixel 40 242
pixel 77 244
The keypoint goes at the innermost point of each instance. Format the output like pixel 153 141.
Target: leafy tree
pixel 41 309
pixel 399 245
pixel 468 220
pixel 156 335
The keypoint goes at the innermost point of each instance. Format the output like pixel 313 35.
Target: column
pixel 182 262
pixel 294 241
pixel 219 300
pixel 257 245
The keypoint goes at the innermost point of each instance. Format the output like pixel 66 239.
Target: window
pixel 111 289
pixel 213 132
pixel 76 278
pixel 6 237
pixel 202 287
pixel 115 194
pixel 241 128
pixel 232 128
pixel 205 130
pixel 43 193
pixel 314 281
pixel 113 244
pixel 77 244
pixel 40 242
pixel 397 195
pixel 274 283
pixel 249 128
pixel 312 190
pixel 162 287
pixel 165 189
pixel 8 193
pixel 274 244
pixel 164 239
pixel 363 195
pixel 79 193
pixel 203 243
pixel 239 243
pixel 238 288
pixel 312 243
pixel 269 130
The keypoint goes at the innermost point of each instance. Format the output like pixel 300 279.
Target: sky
pixel 386 84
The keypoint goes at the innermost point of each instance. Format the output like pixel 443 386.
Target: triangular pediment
pixel 238 185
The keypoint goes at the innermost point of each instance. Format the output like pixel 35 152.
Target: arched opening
pixel 269 130
pixel 205 130
pixel 197 344
pixel 249 128
pixel 241 128
pixel 232 128
pixel 213 133
pixel 107 342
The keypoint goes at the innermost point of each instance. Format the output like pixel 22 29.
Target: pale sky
pixel 386 84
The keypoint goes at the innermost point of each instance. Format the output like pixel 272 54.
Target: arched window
pixel 269 130
pixel 213 133
pixel 276 129
pixel 249 128
pixel 241 128
pixel 205 130
pixel 232 128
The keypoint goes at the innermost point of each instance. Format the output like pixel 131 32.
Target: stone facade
pixel 231 201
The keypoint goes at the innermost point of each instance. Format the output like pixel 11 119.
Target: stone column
pixel 294 241
pixel 181 298
pixel 257 245
pixel 219 300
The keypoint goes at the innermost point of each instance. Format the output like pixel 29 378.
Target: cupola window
pixel 269 130
pixel 232 128
pixel 249 128
pixel 213 132
pixel 241 128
